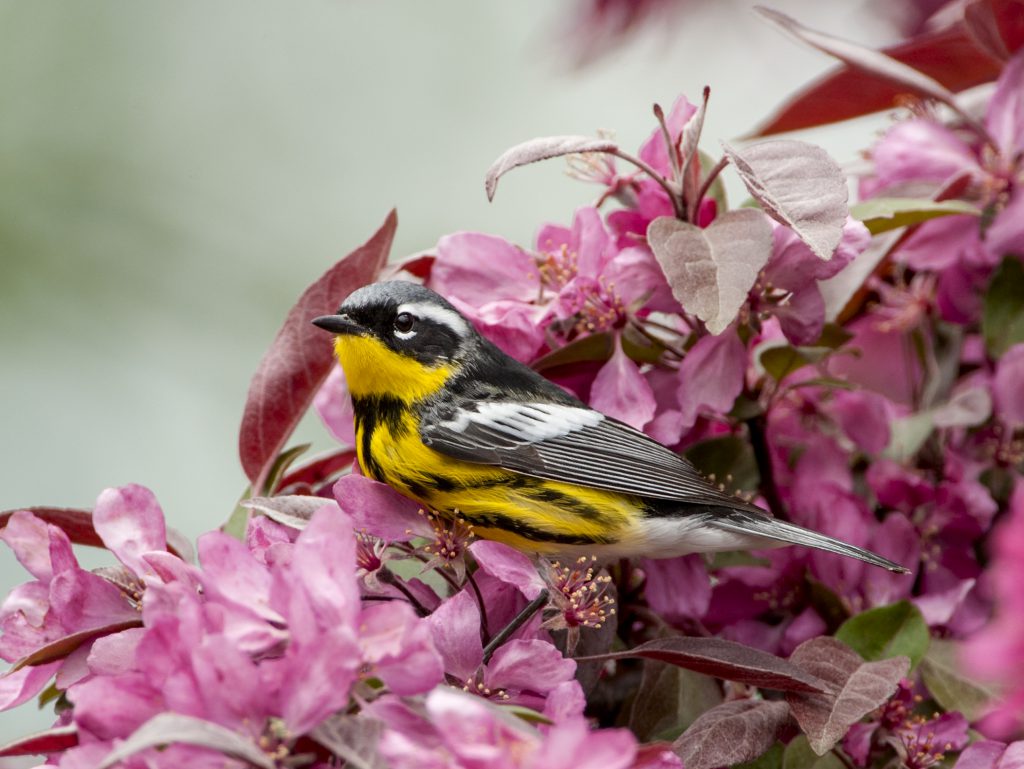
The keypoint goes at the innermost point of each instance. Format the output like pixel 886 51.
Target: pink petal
pixel 455 628
pixel 41 548
pixel 508 565
pixel 865 417
pixel 897 540
pixel 111 707
pixel 1005 118
pixel 114 654
pixel 334 405
pixel 885 365
pixel 564 702
pixel 379 510
pixel 83 600
pixel 399 646
pixel 1006 233
pixel 230 571
pixel 677 588
pixel 571 745
pixel 130 522
pixel 24 684
pixel 711 376
pixel 532 665
pixel 918 150
pixel 471 266
pixel 621 392
pixel 988 754
pixel 323 570
pixel 590 241
pixel 515 327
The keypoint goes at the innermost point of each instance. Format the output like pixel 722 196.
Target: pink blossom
pixel 457 730
pixel 620 390
pixel 997 652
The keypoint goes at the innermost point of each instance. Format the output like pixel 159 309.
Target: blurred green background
pixel 173 174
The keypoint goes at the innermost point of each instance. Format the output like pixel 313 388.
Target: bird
pixel 448 419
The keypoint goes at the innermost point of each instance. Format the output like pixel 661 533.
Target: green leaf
pixel 887 631
pixel 884 214
pixel 1002 317
pixel 833 336
pixel 779 361
pixel 729 460
pixel 952 689
pixel 728 558
pixel 771 759
pixel 589 348
pixel 798 755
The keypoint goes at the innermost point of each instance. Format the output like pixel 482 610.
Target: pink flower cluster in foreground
pixel 273 640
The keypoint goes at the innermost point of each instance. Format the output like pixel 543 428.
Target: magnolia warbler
pixel 448 419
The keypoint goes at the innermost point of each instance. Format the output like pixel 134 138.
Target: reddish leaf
pixel 732 733
pixel 300 357
pixel 62 647
pixel 170 728
pixel 711 270
pixel 855 688
pixel 949 56
pixel 418 265
pixel 724 659
pixel 318 470
pixel 868 59
pixel 541 149
pixel 996 26
pixel 50 741
pixel 799 185
pixel 75 522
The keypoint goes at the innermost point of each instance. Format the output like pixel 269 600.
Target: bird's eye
pixel 404 322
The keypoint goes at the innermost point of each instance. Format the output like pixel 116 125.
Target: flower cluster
pixel 856 370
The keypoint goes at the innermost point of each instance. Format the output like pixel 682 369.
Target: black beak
pixel 337 324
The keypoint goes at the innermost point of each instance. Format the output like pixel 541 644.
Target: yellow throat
pixel 372 368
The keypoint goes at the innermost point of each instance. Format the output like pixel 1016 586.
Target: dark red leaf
pixel 862 57
pixel 50 741
pixel 317 470
pixel 724 659
pixel 854 689
pixel 732 733
pixel 73 521
pixel 949 56
pixel 300 357
pixel 417 265
pixel 542 148
pixel 62 647
pixel 76 522
pixel 996 26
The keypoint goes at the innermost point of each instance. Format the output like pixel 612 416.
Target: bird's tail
pixel 789 533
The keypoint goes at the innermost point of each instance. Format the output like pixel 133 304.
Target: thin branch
pixel 708 181
pixel 762 455
pixel 517 622
pixel 485 629
pixel 674 195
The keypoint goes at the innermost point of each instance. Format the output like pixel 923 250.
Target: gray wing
pixel 570 443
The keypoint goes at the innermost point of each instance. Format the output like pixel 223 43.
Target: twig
pixel 759 442
pixel 517 622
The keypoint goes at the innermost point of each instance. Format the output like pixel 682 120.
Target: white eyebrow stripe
pixel 441 315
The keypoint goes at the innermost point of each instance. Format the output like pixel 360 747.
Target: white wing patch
pixel 530 422
pixel 441 315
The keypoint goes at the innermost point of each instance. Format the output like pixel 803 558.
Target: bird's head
pixel 397 338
